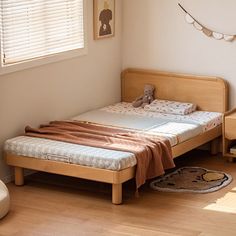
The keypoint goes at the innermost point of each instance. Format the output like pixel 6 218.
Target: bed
pixel 209 93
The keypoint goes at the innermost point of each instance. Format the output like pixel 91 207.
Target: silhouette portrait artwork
pixel 104 18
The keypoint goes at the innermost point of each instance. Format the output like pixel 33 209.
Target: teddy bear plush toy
pixel 146 98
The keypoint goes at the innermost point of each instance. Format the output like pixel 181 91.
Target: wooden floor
pixel 55 205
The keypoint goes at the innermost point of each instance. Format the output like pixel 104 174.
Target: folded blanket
pixel 153 153
pixel 171 107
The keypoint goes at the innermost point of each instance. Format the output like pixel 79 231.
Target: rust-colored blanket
pixel 153 153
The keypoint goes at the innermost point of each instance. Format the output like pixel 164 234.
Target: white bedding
pixel 207 120
pixel 176 131
pixel 177 128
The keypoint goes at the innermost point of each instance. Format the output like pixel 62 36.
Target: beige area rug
pixel 192 180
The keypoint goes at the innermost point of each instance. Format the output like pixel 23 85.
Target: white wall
pixel 156 36
pixel 63 89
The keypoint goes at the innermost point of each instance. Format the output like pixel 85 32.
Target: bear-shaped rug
pixel 193 180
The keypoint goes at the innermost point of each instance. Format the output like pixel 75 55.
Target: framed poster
pixel 104 18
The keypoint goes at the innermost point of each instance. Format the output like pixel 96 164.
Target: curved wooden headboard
pixel 209 93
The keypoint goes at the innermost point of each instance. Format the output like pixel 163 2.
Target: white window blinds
pixel 37 28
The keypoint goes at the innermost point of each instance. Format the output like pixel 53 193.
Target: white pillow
pixel 171 107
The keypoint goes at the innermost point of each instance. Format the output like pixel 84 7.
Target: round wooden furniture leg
pixel 116 194
pixel 19 176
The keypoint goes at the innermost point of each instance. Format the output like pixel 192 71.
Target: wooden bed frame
pixel 209 93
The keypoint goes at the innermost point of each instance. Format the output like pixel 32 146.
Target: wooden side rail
pixel 116 178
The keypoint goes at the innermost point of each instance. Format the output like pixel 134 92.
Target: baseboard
pixel 10 178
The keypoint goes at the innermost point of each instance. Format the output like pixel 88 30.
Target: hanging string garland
pixel 209 33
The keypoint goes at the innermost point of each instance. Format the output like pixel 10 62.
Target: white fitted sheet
pixel 176 129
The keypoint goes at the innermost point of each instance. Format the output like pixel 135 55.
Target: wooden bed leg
pixel 116 194
pixel 19 176
pixel 214 146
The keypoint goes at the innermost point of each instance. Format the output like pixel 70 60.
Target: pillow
pixel 171 107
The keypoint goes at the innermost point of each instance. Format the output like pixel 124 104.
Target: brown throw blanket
pixel 153 153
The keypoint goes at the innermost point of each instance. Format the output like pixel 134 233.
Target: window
pixel 32 30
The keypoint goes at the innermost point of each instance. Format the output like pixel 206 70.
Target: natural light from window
pixel 39 28
pixel 225 204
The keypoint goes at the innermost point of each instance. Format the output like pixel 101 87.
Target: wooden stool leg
pixel 19 176
pixel 214 146
pixel 116 194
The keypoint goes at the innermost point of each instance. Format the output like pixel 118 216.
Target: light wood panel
pixel 197 141
pixel 229 133
pixel 208 93
pixel 116 178
pixel 59 205
pixel 230 125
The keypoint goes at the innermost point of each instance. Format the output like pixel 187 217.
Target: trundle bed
pixel 184 132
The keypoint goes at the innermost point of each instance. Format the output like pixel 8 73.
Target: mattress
pixel 176 131
pixel 207 120
pixel 69 153
pixel 177 128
